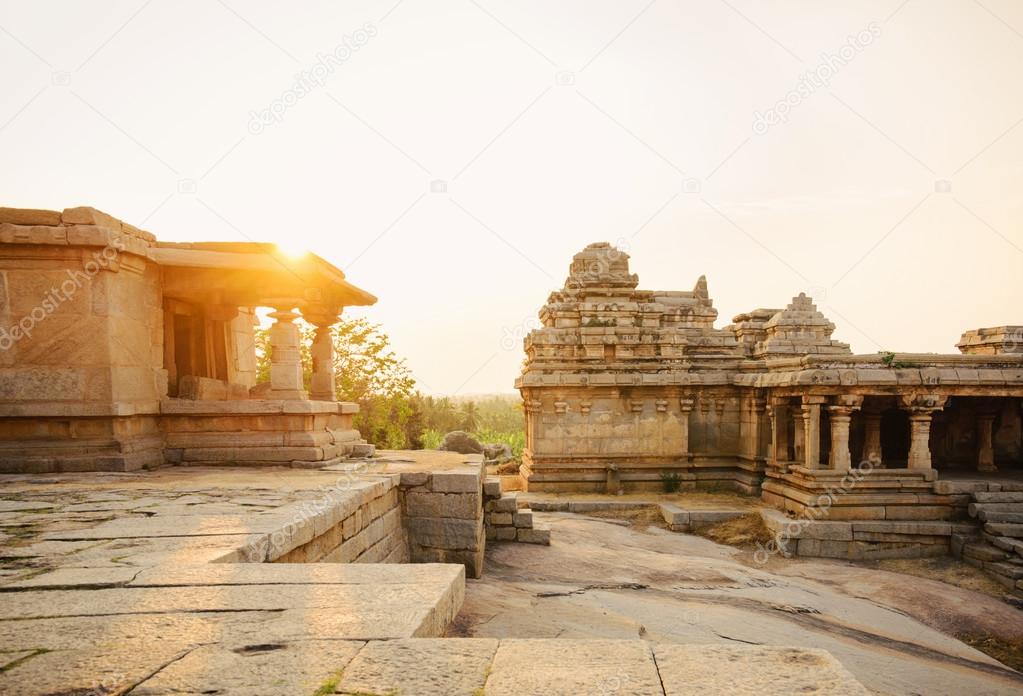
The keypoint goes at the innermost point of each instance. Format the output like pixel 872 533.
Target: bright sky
pixel 890 191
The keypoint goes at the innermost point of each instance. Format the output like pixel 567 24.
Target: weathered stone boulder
pixel 497 452
pixel 461 442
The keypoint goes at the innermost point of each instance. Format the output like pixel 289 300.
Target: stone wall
pixel 81 343
pixel 443 515
pixel 362 526
pixel 262 432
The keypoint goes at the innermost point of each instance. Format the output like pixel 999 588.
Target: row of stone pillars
pixel 840 409
pixel 286 356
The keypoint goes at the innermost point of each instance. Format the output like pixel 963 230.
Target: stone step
pixel 1004 529
pixel 362 450
pixel 508 502
pixel 982 551
pixel 976 509
pixel 998 497
pixel 536 535
pixel 1013 517
pixel 1007 544
pixel 492 487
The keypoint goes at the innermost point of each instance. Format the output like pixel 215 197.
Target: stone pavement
pixel 133 584
pixel 475 666
pixel 130 583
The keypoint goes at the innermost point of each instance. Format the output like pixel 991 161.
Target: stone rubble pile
pixel 998 548
pixel 508 519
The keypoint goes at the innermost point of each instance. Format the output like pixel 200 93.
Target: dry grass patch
pixel 746 530
pixel 638 518
pixel 944 569
pixel 1009 653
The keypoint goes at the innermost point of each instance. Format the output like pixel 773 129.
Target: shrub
pixel 671 481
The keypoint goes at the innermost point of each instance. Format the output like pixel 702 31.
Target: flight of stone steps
pixel 509 519
pixel 998 548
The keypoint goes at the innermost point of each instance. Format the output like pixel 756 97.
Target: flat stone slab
pixel 427 666
pixel 573 667
pixel 440 575
pixel 256 669
pixel 74 578
pixel 706 670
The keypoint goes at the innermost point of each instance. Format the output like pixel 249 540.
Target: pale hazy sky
pixel 553 125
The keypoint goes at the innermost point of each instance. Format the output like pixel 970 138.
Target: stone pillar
pixel 921 409
pixel 685 407
pixel 840 459
pixel 985 446
pixel 322 384
pixel 285 357
pixel 780 423
pixel 761 436
pixel 812 431
pixel 872 437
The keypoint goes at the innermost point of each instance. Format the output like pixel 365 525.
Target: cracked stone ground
pixel 599 579
pixel 108 586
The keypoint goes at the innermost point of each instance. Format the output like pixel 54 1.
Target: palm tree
pixel 470 416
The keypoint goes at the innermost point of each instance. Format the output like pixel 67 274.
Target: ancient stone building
pixel 625 387
pixel 119 352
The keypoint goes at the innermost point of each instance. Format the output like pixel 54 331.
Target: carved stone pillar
pixel 761 436
pixel 322 384
pixel 780 423
pixel 840 459
pixel 285 356
pixel 985 446
pixel 872 437
pixel 921 409
pixel 685 408
pixel 812 431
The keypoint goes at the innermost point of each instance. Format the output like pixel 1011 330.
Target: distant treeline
pixel 393 414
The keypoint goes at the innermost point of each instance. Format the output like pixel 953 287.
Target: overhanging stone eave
pixel 253 274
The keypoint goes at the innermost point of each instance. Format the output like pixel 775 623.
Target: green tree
pixel 470 416
pixel 366 371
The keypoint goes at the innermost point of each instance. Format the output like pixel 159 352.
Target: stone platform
pixel 109 581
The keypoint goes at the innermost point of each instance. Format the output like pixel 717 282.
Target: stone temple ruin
pixel 623 387
pixel 121 352
pixel 170 526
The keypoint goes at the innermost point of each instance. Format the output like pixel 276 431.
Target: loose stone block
pixel 463 480
pixel 414 478
pixel 533 536
pixel 501 519
pixel 504 533
pixel 506 503
pixel 523 518
pixel 492 488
